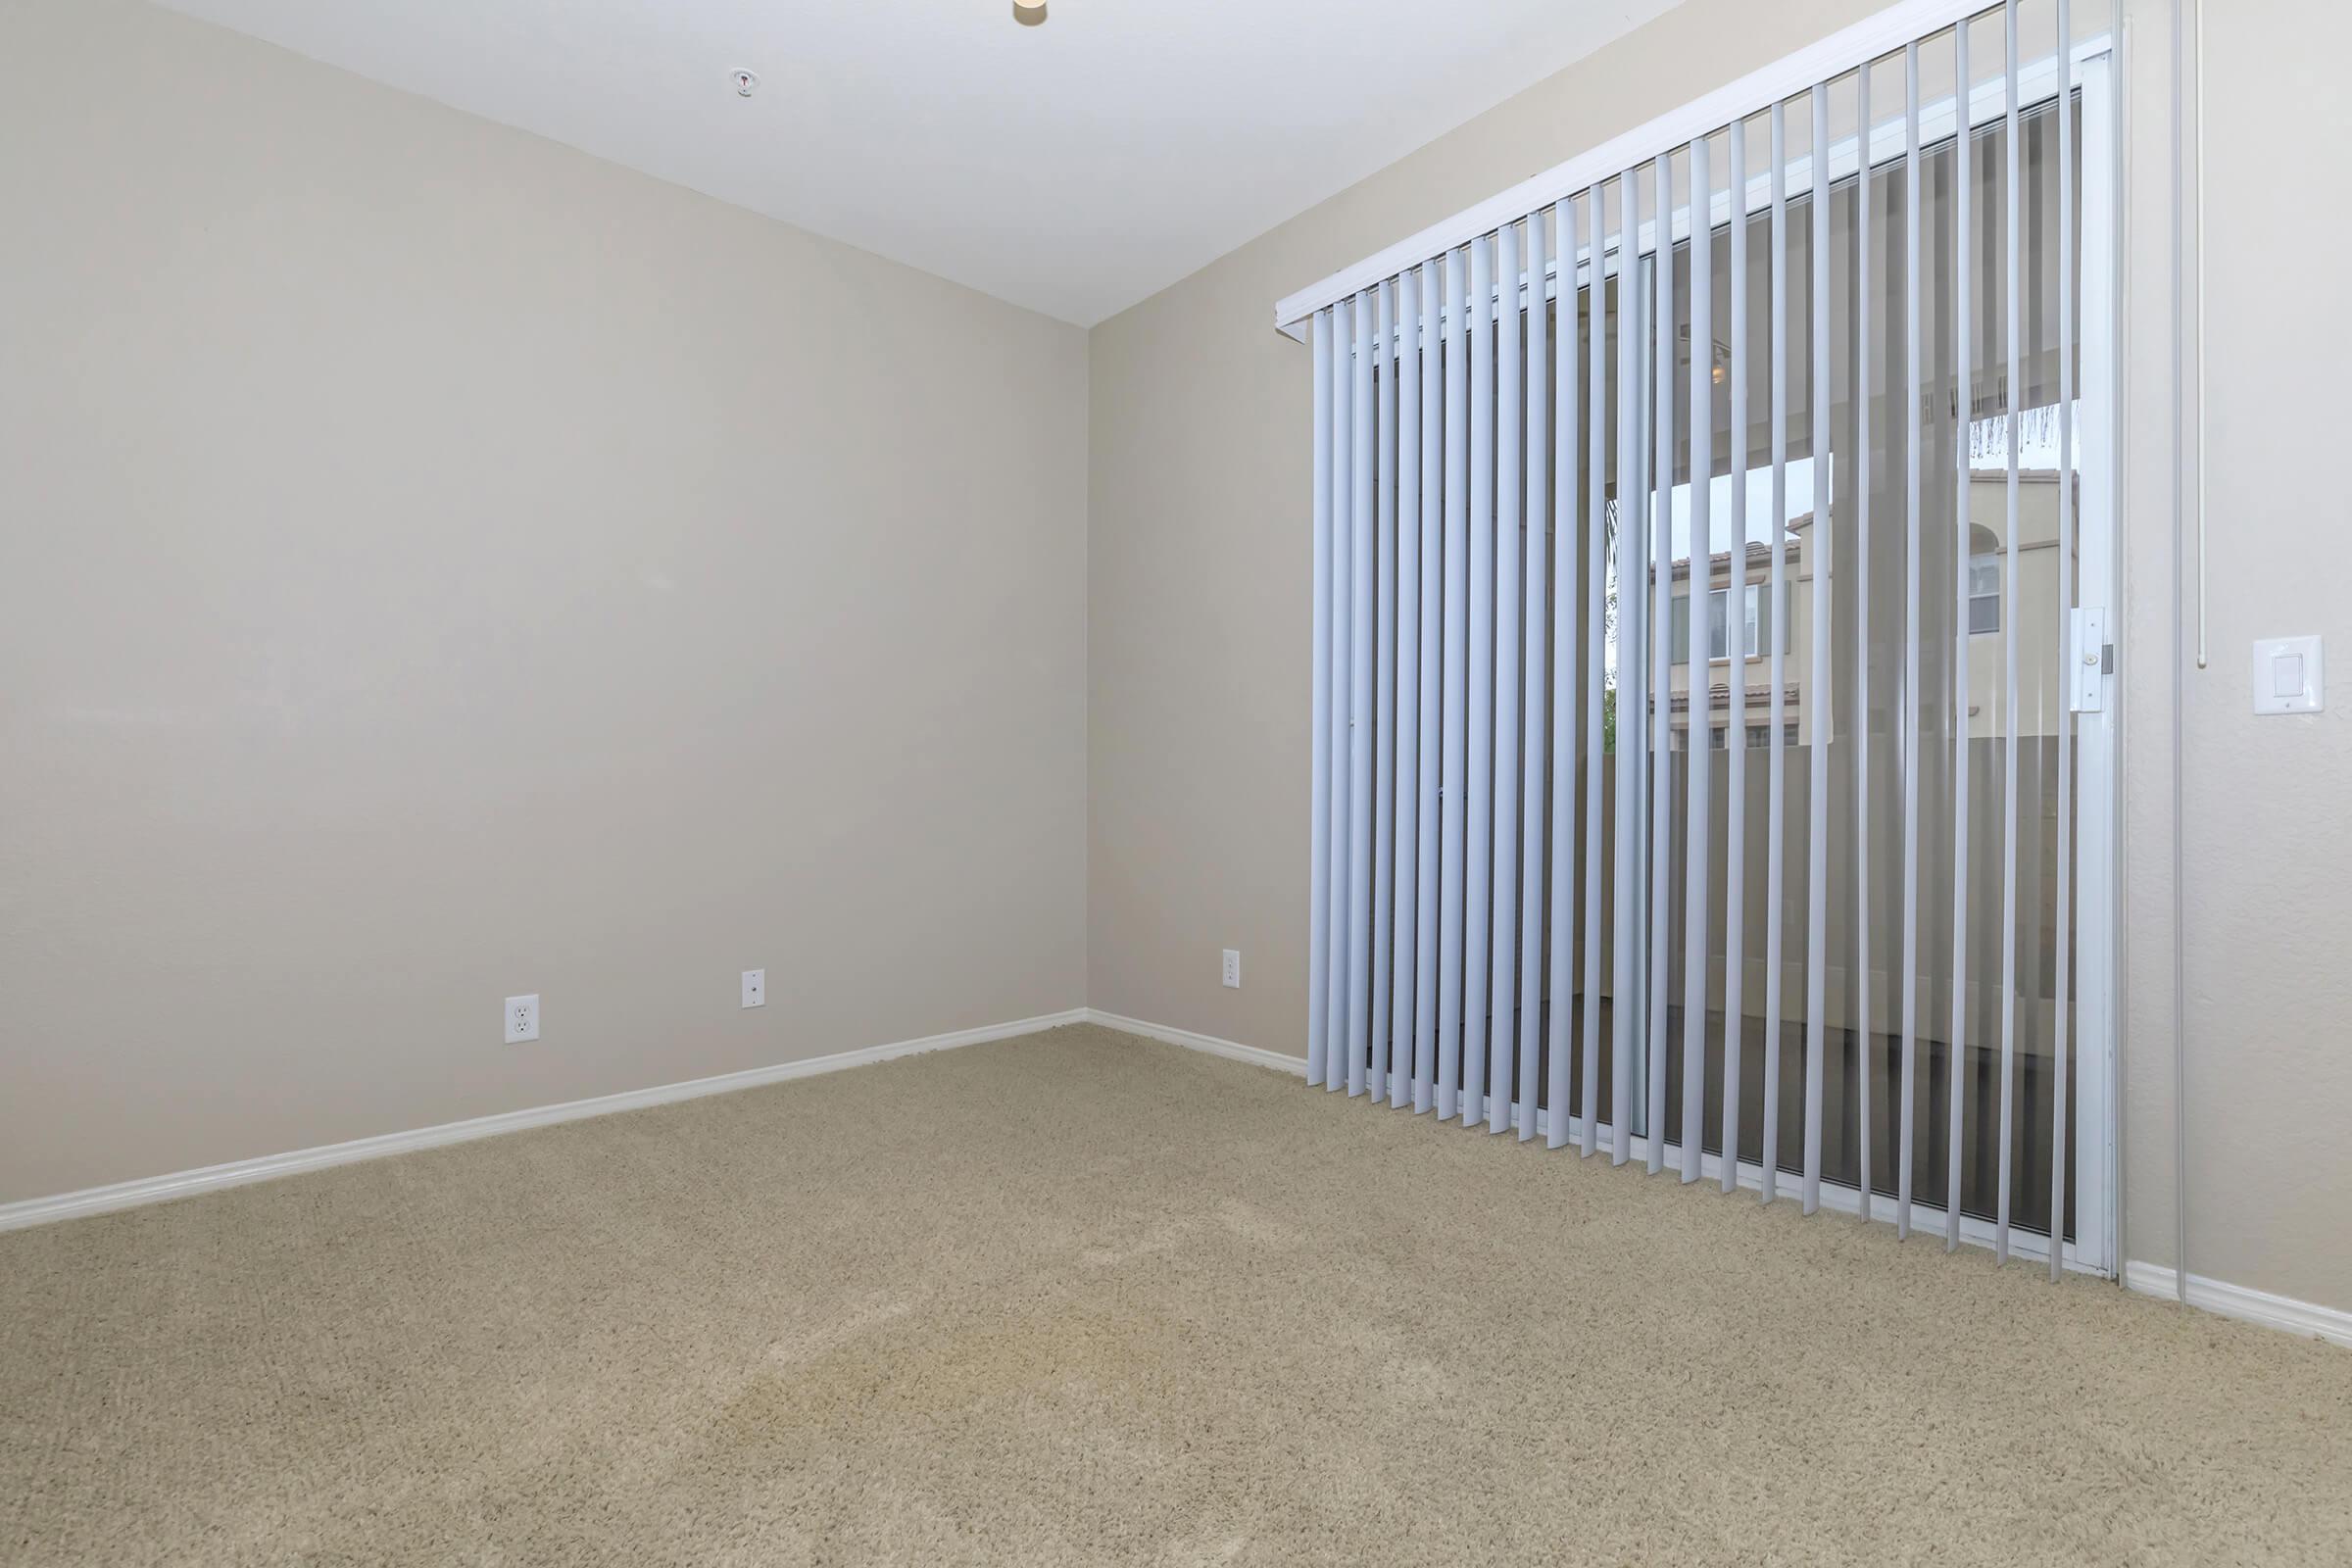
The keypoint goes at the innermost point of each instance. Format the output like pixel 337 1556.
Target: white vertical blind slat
pixel 1775 850
pixel 1478 907
pixel 1383 694
pixel 1818 707
pixel 1865 1046
pixel 1956 1068
pixel 1566 642
pixel 1503 924
pixel 1455 864
pixel 1597 546
pixel 1360 566
pixel 1343 596
pixel 1734 826
pixel 1631 505
pixel 2012 606
pixel 1700 541
pixel 1318 1001
pixel 1659 558
pixel 1404 854
pixel 1431 667
pixel 1534 752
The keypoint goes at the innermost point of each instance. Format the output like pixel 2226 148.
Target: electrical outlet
pixel 522 1020
pixel 1232 968
pixel 754 988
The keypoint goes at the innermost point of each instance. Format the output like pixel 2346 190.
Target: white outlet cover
pixel 754 988
pixel 522 1020
pixel 1232 968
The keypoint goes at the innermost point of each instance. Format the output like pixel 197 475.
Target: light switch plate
pixel 2287 675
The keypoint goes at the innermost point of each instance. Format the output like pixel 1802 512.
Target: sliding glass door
pixel 1714 756
pixel 1948 621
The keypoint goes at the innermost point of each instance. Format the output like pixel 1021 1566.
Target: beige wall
pixel 2268 864
pixel 1198 603
pixel 436 564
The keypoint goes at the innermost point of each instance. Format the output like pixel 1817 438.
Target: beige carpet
pixel 1080 1298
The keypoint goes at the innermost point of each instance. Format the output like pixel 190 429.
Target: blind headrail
pixel 1840 52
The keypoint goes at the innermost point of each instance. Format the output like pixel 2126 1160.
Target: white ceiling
pixel 1074 167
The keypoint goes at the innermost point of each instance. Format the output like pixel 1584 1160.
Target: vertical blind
pixel 1697 556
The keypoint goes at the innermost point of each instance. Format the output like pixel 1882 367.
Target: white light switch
pixel 2287 675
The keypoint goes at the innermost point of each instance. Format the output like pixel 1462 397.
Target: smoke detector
pixel 747 82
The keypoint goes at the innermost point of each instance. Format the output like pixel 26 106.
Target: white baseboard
pixel 212 1178
pixel 2238 1301
pixel 2151 1278
pixel 1255 1055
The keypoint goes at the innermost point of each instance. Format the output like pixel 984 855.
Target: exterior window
pixel 1754 619
pixel 1983 595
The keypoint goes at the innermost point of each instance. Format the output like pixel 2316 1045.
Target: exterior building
pixel 2035 615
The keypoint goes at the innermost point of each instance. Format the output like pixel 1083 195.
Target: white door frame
pixel 2098 900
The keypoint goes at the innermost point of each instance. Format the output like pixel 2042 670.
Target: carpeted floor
pixel 1081 1298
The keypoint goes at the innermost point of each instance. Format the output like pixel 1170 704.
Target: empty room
pixel 1082 782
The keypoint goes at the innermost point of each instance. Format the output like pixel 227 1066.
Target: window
pixel 1754 620
pixel 1983 595
pixel 1983 582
